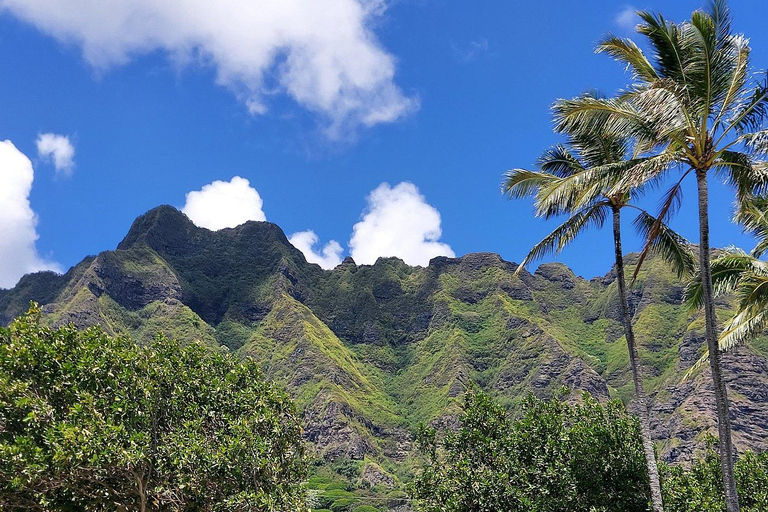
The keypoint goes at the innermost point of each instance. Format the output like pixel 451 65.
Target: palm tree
pixel 567 175
pixel 743 274
pixel 697 102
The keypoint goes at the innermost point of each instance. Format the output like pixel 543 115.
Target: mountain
pixel 369 352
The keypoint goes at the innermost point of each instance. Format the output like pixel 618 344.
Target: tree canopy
pixel 552 457
pixel 94 422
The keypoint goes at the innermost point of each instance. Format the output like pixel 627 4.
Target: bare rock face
pixel 82 314
pixel 557 273
pixel 330 429
pixel 579 376
pixel 686 412
pixel 135 284
pixel 374 475
pixel 445 422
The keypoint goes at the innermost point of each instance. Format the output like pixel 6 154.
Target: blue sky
pixel 461 92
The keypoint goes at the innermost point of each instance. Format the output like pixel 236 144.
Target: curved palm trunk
pixel 721 395
pixel 641 398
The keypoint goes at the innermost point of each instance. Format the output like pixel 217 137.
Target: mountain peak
pixel 168 230
pixel 160 227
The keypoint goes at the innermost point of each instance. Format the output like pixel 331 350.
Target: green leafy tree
pixel 696 103
pixel 699 487
pixel 93 422
pixel 553 457
pixel 585 172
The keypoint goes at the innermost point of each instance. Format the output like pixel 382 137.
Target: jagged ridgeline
pixel 369 352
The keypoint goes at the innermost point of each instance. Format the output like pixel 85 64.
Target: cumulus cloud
pixel 18 223
pixel 329 255
pixel 322 53
pixel 398 222
pixel 224 204
pixel 58 150
pixel 627 19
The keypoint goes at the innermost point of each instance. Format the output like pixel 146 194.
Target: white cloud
pixel 322 53
pixel 398 222
pixel 18 223
pixel 224 204
pixel 472 51
pixel 329 256
pixel 627 19
pixel 59 150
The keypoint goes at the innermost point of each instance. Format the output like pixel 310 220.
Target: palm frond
pixel 701 34
pixel 559 161
pixel 720 61
pixel 670 203
pixel 743 327
pixel 734 92
pixel 749 115
pixel 752 215
pixel 578 190
pixel 665 109
pixel 670 54
pixel 720 13
pixel 600 148
pixel 628 53
pixel 756 142
pixel 668 244
pixel 588 114
pixel 748 176
pixel 564 234
pixel 752 291
pixel 521 183
pixel 726 270
pixel 648 172
pixel 740 329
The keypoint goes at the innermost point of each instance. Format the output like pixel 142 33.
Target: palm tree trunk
pixel 640 397
pixel 721 395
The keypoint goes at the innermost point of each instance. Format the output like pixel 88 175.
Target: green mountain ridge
pixel 371 351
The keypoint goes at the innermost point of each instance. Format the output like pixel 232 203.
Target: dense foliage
pixel 93 422
pixel 699 488
pixel 553 457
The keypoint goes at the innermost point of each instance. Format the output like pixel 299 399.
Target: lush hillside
pixel 369 352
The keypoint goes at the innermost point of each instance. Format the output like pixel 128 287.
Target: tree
pixel 93 422
pixel 698 488
pixel 553 457
pixel 585 172
pixel 696 103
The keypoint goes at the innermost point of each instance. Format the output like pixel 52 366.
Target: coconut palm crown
pixel 583 179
